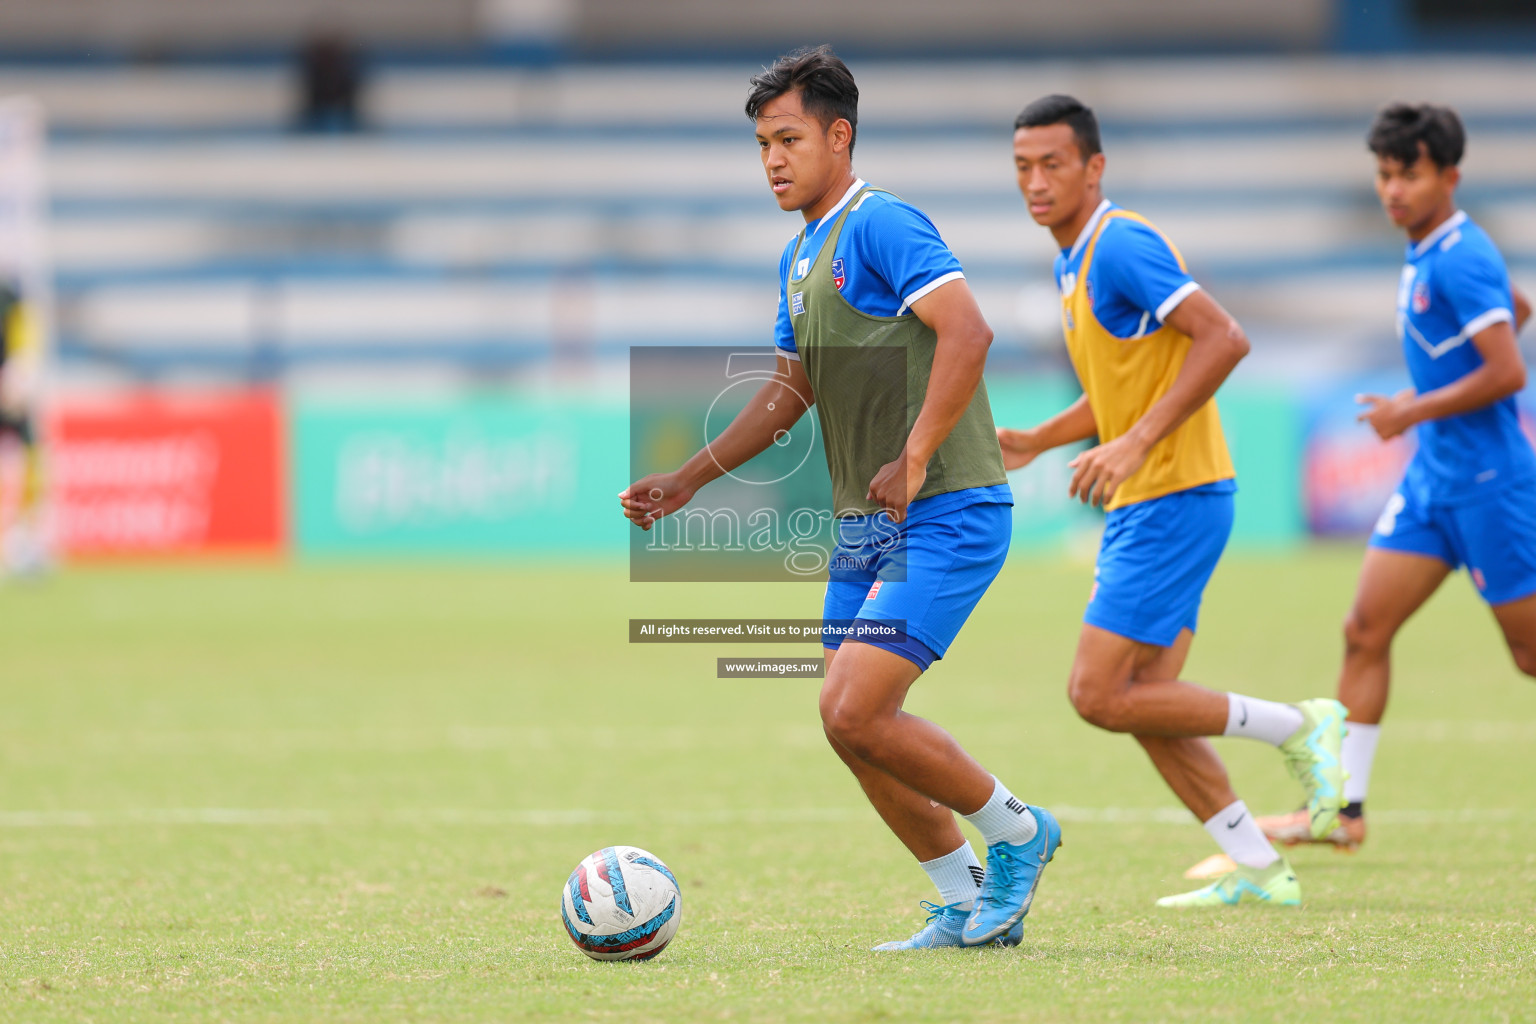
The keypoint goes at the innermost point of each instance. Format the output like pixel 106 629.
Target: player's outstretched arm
pixel 958 359
pixel 1522 308
pixel 1074 423
pixel 1501 375
pixel 776 407
pixel 1217 345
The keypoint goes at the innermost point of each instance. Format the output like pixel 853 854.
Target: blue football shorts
pixel 1494 537
pixel 1154 563
pixel 911 597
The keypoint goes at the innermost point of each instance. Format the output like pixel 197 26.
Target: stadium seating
pixel 494 217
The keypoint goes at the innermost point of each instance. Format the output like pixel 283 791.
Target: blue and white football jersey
pixel 1135 281
pixel 1455 285
pixel 888 256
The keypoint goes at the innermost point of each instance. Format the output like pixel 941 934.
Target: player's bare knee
pixel 1096 703
pixel 831 697
pixel 1365 636
pixel 853 729
pixel 848 724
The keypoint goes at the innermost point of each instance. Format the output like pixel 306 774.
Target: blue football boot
pixel 942 930
pixel 1008 888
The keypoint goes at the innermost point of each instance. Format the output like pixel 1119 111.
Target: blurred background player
pixel 1151 348
pixel 331 83
pixel 870 273
pixel 1468 497
pixel 21 532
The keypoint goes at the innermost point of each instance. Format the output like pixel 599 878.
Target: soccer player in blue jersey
pixel 869 275
pixel 1468 497
pixel 1150 348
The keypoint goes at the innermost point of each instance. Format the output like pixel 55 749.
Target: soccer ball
pixel 621 903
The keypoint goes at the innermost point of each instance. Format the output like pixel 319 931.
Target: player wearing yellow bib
pixel 1150 349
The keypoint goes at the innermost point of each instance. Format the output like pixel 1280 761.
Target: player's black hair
pixel 1400 128
pixel 1067 110
pixel 826 87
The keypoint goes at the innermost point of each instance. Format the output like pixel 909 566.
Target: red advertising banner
pixel 163 474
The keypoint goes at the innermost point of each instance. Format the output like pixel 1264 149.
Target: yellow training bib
pixel 1123 378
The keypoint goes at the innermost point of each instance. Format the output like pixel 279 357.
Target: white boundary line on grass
pixel 577 817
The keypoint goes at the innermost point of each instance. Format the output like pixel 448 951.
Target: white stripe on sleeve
pixel 1483 321
pixel 953 275
pixel 1171 303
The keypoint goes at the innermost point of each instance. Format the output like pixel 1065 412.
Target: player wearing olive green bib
pixel 878 330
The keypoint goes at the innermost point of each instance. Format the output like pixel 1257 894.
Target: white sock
pixel 1257 719
pixel 1358 753
pixel 1004 818
pixel 957 875
pixel 1239 837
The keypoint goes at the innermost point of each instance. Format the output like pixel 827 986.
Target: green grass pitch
pixel 352 793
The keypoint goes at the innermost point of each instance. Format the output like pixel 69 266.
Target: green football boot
pixel 1275 885
pixel 1312 755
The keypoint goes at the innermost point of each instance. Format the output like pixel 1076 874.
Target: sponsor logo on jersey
pixel 874 590
pixel 803 267
pixel 1479 579
pixel 1420 297
pixel 797 304
pixel 837 273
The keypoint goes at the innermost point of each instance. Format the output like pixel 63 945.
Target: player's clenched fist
pixel 896 485
pixel 651 497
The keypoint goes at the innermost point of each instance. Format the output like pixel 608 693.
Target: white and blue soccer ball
pixel 621 903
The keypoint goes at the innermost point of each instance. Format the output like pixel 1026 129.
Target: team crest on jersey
pixel 1421 297
pixel 797 304
pixel 837 273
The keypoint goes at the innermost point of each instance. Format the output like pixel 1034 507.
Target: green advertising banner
pixel 516 474
pixel 1265 434
pixel 1043 515
pixel 527 475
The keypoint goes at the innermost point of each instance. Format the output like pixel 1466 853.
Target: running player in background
pixel 1150 349
pixel 1469 494
pixel 21 538
pixel 868 276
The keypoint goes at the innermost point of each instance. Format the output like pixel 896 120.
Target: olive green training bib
pixel 869 376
